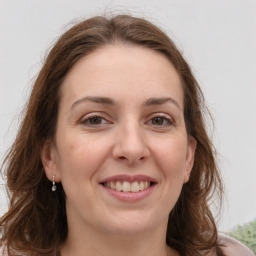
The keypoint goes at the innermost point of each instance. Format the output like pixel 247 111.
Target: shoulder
pixel 232 247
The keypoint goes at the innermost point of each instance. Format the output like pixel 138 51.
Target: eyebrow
pixel 109 101
pixel 161 101
pixel 100 100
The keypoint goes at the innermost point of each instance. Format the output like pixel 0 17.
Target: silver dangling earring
pixel 53 184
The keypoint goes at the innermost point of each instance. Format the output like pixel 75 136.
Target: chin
pixel 132 223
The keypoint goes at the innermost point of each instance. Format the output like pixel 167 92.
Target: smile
pixel 126 186
pixel 129 188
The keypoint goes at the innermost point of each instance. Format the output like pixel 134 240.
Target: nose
pixel 130 145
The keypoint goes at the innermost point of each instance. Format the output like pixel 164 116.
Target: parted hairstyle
pixel 36 222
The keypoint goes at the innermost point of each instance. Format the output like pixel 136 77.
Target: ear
pixel 49 160
pixel 190 158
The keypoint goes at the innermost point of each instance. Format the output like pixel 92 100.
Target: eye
pixel 160 120
pixel 94 120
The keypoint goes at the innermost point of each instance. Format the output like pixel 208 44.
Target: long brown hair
pixel 36 222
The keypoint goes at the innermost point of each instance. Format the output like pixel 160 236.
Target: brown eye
pixel 95 120
pixel 158 120
pixel 161 121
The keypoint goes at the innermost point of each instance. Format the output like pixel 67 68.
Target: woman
pixel 112 157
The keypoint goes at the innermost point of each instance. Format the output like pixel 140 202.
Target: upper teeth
pixel 127 186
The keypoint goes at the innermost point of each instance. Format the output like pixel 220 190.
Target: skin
pixel 96 140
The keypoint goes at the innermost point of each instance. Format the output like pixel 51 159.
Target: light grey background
pixel 217 38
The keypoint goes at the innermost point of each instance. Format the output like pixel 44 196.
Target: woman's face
pixel 121 151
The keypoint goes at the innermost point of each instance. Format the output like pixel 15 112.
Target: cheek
pixel 79 157
pixel 170 156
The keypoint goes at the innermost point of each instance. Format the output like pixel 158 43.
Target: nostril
pixel 131 159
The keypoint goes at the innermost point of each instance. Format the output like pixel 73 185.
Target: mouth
pixel 127 186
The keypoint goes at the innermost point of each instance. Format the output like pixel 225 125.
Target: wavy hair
pixel 36 222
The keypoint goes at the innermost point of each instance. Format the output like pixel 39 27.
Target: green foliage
pixel 246 234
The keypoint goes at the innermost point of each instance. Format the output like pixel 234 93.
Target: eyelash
pixel 166 120
pixel 87 119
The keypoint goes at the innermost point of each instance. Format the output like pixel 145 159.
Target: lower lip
pixel 130 196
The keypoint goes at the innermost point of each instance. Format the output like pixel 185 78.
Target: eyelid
pixel 167 117
pixel 88 116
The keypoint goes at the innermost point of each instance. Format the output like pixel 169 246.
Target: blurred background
pixel 217 38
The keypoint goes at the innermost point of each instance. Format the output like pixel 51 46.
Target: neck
pixel 92 243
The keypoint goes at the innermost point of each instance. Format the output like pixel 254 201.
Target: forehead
pixel 123 72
